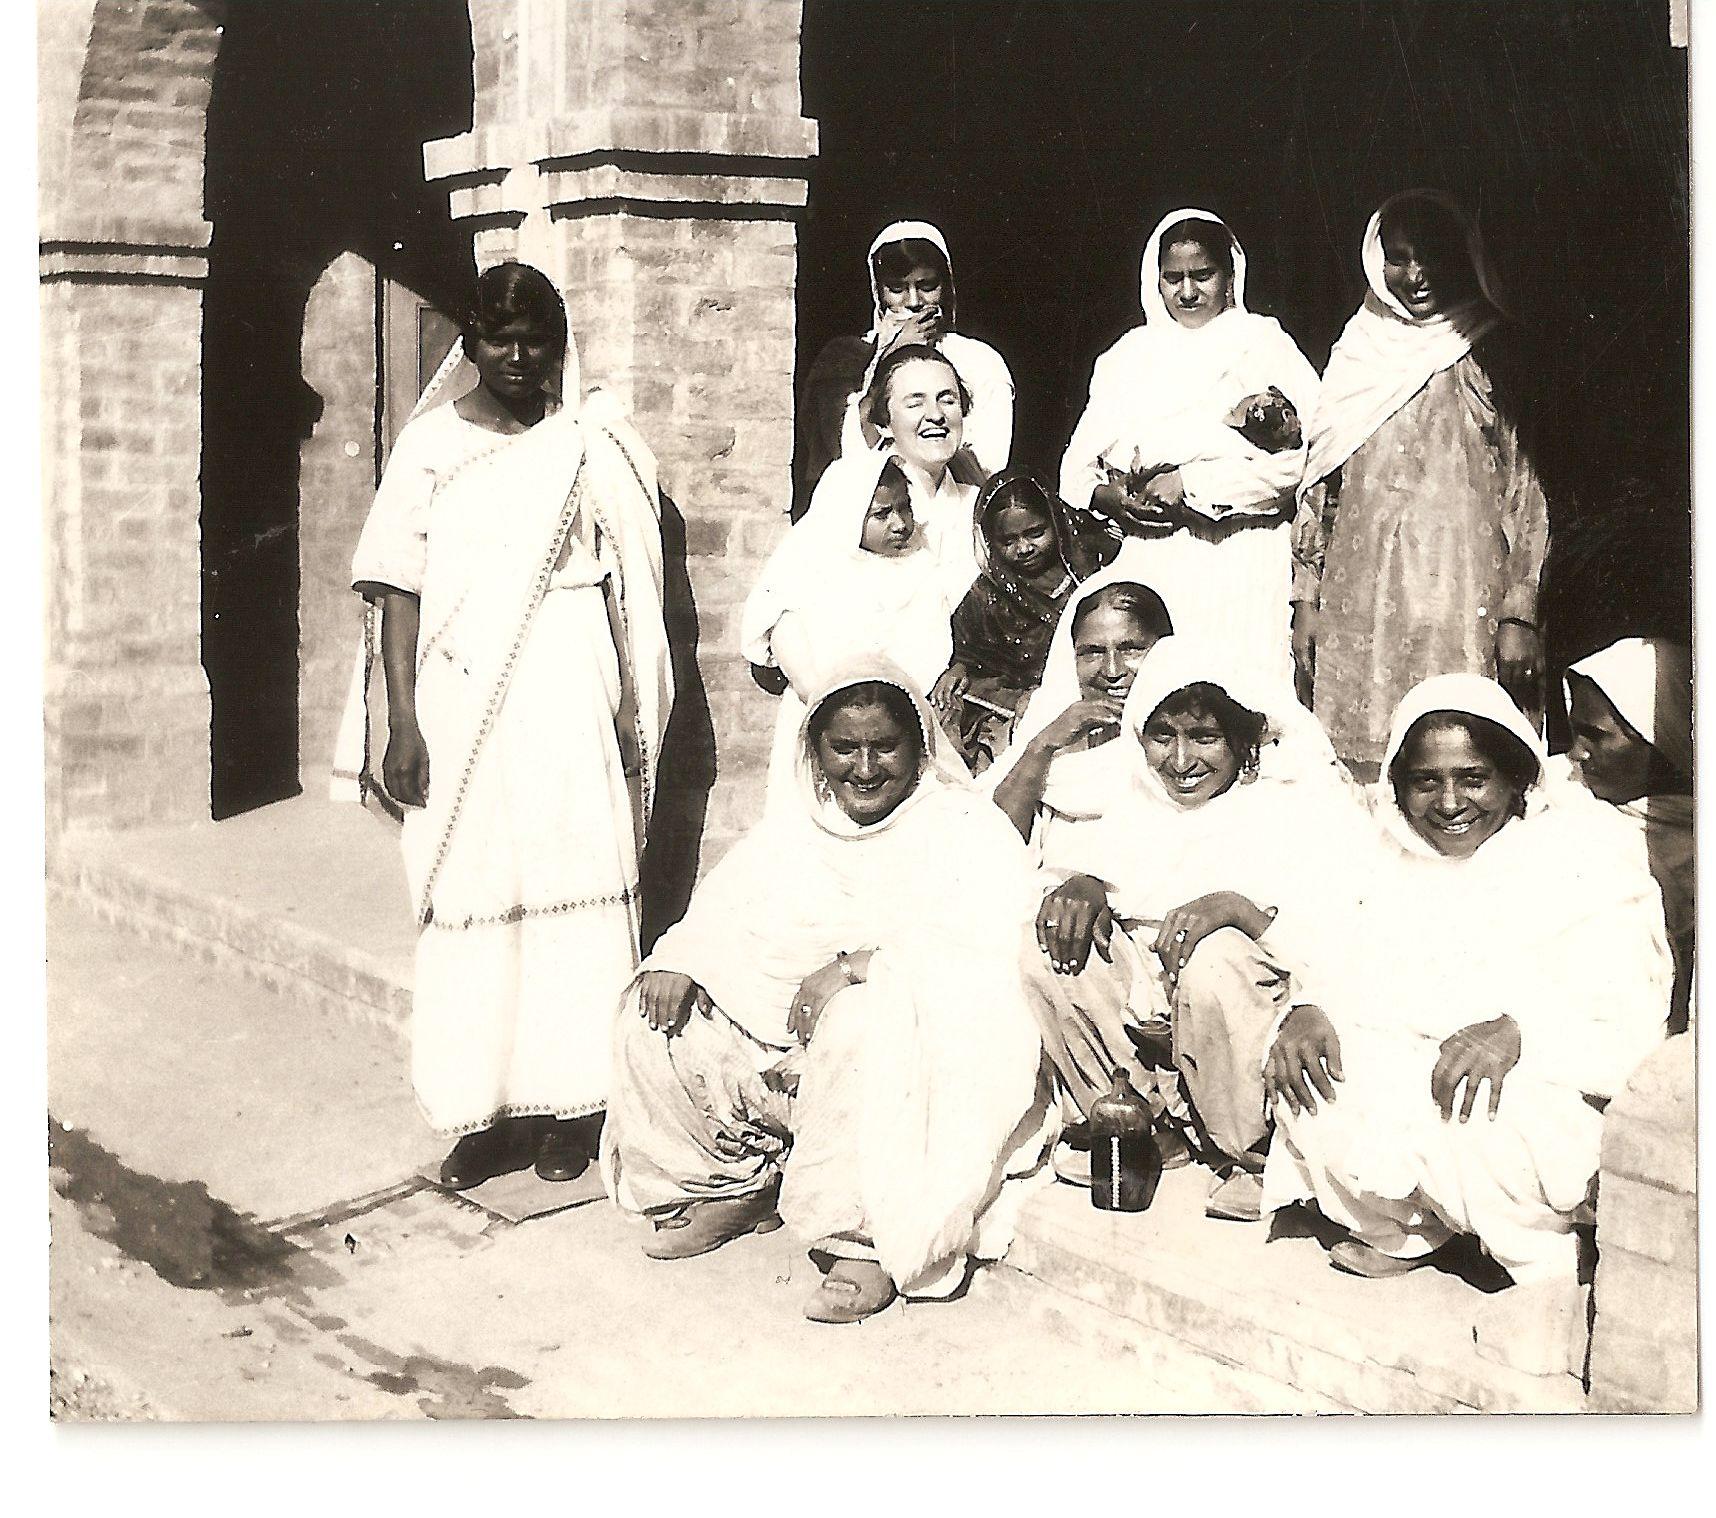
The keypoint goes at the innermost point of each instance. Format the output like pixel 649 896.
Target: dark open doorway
pixel 315 131
pixel 1046 137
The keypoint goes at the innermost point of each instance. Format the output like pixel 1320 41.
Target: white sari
pixel 918 1095
pixel 1546 924
pixel 536 558
pixel 1159 397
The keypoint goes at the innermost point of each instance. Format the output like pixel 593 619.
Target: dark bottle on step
pixel 1125 1163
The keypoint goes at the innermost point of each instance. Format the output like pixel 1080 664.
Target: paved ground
pixel 237 1236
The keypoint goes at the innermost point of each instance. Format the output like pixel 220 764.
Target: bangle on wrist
pixel 1516 622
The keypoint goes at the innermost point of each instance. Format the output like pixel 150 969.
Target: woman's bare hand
pixel 1184 928
pixel 1073 917
pixel 1519 664
pixel 1304 649
pixel 405 765
pixel 1304 1061
pixel 1095 716
pixel 665 997
pixel 814 993
pixel 945 694
pixel 1479 1053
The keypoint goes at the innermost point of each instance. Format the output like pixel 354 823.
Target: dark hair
pixel 890 474
pixel 1139 602
pixel 1424 219
pixel 875 409
pixel 1240 725
pixel 512 292
pixel 1507 752
pixel 1012 488
pixel 1211 236
pixel 895 260
pixel 882 693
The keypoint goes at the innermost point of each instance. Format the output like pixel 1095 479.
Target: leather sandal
pixel 1358 1259
pixel 1236 1198
pixel 704 1226
pixel 564 1153
pixel 499 1149
pixel 851 1291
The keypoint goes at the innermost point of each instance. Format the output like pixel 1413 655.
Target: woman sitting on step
pixel 1196 887
pixel 835 1034
pixel 1503 946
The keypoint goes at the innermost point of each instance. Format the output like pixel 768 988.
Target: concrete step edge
pixel 336 978
pixel 1336 1365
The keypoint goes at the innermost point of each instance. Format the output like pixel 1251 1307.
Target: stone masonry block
pixel 1646 1221
pixel 1664 1156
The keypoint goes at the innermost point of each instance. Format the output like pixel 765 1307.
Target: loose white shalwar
pixel 1546 924
pixel 823 602
pixel 918 1094
pixel 989 427
pixel 537 561
pixel 1162 393
pixel 1274 836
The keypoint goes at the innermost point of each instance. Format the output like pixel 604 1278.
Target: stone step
pixel 306 897
pixel 1273 1305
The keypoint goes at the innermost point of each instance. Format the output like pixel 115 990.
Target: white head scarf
pixel 821 560
pixel 900 231
pixel 1385 356
pixel 1466 695
pixel 1149 274
pixel 1649 682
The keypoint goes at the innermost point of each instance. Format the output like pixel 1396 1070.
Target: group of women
pixel 1044 803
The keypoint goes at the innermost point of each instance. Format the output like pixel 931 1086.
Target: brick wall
pixel 335 488
pixel 125 89
pixel 679 281
pixel 1644 1341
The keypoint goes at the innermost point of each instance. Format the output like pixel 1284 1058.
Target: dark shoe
pixel 565 1150
pixel 1358 1259
pixel 851 1291
pixel 481 1156
pixel 1174 1148
pixel 704 1226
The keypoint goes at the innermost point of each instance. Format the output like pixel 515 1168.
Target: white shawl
pixel 1164 390
pixel 1385 356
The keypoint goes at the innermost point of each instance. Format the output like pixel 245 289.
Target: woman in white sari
pixel 1502 943
pixel 1630 706
pixel 515 547
pixel 1183 446
pixel 836 1029
pixel 1197 886
pixel 854 579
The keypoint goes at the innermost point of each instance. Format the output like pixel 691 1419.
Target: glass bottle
pixel 1125 1163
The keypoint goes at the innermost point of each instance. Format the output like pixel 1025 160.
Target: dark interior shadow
pixel 686 769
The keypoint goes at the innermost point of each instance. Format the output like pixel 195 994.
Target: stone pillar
pixel 1644 1340
pixel 123 256
pixel 650 157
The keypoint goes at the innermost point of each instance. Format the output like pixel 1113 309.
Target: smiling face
pixel 1455 797
pixel 1023 538
pixel 1191 755
pixel 917 289
pixel 1108 646
pixel 870 759
pixel 888 524
pixel 1425 264
pixel 924 413
pixel 1193 284
pixel 514 361
pixel 1616 763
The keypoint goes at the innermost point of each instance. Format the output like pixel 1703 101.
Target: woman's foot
pixel 1358 1259
pixel 567 1147
pixel 1236 1198
pixel 851 1291
pixel 500 1149
pixel 703 1226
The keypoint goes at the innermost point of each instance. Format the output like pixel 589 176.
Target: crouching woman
pixel 835 1035
pixel 1505 972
